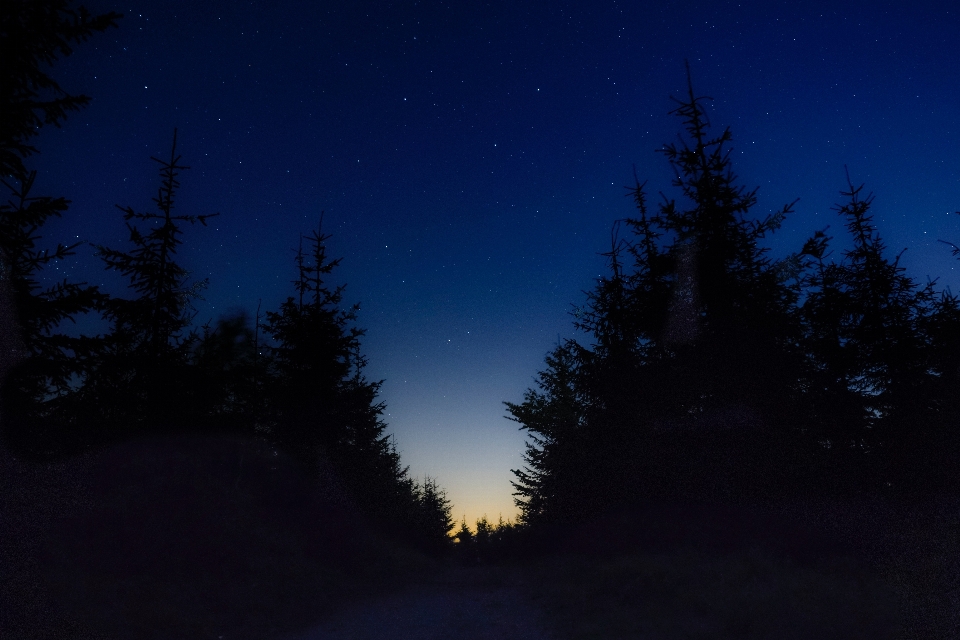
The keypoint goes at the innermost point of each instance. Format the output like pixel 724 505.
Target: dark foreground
pixel 181 541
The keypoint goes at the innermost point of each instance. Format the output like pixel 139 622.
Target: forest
pixel 706 373
pixel 712 372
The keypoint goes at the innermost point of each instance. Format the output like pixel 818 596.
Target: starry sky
pixel 471 158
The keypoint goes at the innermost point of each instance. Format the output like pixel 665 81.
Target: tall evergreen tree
pixel 49 360
pixel 715 372
pixel 741 351
pixel 694 326
pixel 553 416
pixel 140 372
pixel 875 339
pixel 428 519
pixel 33 35
pixel 321 407
pixel 466 543
pixel 313 356
pixel 229 375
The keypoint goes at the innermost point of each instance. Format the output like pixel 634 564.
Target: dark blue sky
pixel 471 159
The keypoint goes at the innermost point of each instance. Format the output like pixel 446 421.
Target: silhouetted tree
pixel 725 361
pixel 466 547
pixel 321 407
pixel 694 328
pixel 312 357
pixel 739 346
pixel 716 373
pixel 875 339
pixel 504 541
pixel 140 370
pixel 482 538
pixel 34 35
pixel 431 516
pixel 228 376
pixel 306 391
pixel 49 360
pixel 553 417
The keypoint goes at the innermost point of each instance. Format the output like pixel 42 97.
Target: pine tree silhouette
pixel 694 351
pixel 466 543
pixel 553 418
pixel 875 340
pixel 322 409
pixel 35 35
pixel 140 374
pixel 717 374
pixel 228 376
pixel 48 362
pixel 431 515
pixel 740 354
pixel 313 357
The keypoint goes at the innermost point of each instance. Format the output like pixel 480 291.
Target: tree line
pixel 709 372
pixel 294 376
pixel 713 372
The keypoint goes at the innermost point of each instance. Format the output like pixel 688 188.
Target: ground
pixel 133 545
pixel 462 603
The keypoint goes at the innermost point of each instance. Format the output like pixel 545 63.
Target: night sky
pixel 471 159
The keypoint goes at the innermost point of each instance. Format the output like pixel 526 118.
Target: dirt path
pixel 55 582
pixel 461 604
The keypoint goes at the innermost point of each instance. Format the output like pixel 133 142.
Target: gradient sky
pixel 471 158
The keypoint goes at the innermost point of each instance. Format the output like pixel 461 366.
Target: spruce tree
pixel 140 372
pixel 713 356
pixel 875 338
pixel 320 405
pixel 229 375
pixel 548 486
pixel 693 329
pixel 313 357
pixel 715 373
pixel 483 538
pixel 40 362
pixel 431 517
pixel 34 35
pixel 466 543
pixel 740 354
pixel 49 362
